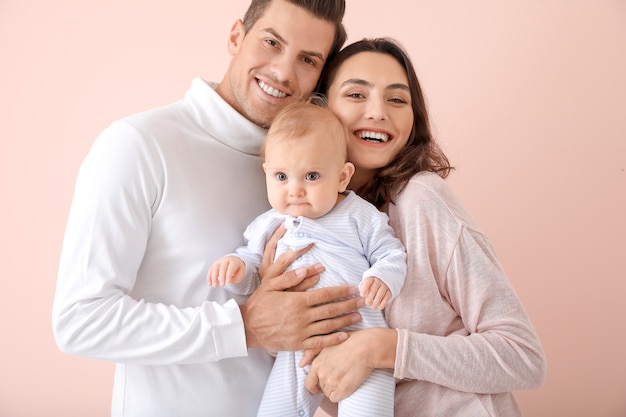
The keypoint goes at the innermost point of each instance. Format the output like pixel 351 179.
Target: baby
pixel 307 175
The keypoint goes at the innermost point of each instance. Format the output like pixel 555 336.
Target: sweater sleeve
pixel 489 345
pixel 95 313
pixel 256 236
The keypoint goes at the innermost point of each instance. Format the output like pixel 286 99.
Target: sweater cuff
pixel 229 336
pixel 401 349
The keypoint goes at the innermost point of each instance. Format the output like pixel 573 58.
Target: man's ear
pixel 346 175
pixel 235 39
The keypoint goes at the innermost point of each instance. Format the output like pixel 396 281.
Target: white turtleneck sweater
pixel 160 196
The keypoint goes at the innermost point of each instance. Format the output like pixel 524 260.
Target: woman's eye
pixel 312 176
pixel 398 100
pixel 281 176
pixel 355 95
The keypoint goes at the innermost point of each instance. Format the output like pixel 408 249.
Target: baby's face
pixel 304 176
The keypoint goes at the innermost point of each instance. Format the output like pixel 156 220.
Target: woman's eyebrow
pixel 398 86
pixel 357 81
pixel 365 83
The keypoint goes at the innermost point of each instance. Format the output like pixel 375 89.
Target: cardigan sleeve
pixel 487 344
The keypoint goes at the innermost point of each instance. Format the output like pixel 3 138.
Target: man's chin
pixel 269 113
pixel 263 119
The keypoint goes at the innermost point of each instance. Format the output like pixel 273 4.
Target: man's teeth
pixel 271 90
pixel 373 136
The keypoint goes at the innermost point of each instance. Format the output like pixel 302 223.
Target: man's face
pixel 277 62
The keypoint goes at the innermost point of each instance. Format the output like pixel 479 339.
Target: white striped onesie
pixel 353 241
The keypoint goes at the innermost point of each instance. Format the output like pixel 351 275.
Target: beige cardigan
pixel 464 339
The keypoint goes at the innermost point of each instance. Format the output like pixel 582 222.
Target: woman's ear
pixel 346 175
pixel 235 39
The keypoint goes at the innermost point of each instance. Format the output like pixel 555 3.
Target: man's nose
pixel 283 69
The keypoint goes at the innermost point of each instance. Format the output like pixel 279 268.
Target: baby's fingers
pixel 213 275
pixel 231 273
pixel 223 275
pixel 365 287
pixel 381 298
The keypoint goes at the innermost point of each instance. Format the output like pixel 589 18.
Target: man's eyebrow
pixel 282 40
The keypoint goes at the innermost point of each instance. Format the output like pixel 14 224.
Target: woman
pixel 459 340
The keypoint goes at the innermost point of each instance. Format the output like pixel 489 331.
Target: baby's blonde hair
pixel 302 118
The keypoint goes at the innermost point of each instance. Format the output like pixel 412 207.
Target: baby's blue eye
pixel 312 176
pixel 281 176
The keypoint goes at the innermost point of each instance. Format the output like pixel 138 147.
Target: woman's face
pixel 370 95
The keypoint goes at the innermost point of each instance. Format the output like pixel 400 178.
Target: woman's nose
pixel 376 110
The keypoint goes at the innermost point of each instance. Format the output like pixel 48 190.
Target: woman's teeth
pixel 271 90
pixel 373 136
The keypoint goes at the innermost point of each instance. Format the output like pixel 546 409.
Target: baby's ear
pixel 264 168
pixel 346 175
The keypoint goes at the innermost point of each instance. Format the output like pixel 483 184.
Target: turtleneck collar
pixel 214 115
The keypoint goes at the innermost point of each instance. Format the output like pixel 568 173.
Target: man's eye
pixel 281 176
pixel 312 176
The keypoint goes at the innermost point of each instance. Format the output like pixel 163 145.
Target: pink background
pixel 527 97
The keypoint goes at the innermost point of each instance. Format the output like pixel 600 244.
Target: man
pixel 164 193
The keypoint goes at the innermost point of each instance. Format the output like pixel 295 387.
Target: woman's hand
pixel 339 370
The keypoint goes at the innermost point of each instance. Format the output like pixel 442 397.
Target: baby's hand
pixel 228 270
pixel 376 293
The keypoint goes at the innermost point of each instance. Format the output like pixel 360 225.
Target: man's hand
pixel 271 267
pixel 276 319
